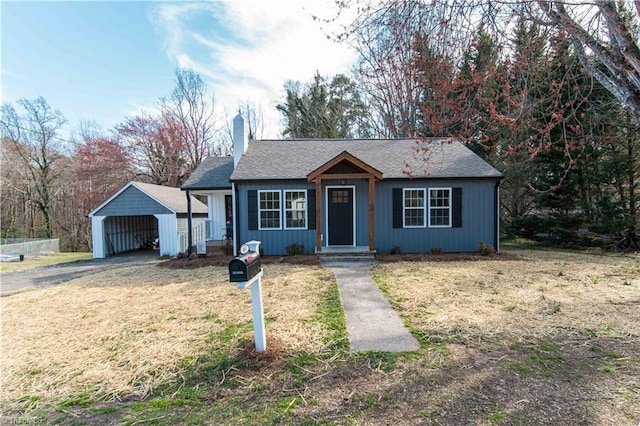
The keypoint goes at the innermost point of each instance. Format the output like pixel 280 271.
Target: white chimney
pixel 239 139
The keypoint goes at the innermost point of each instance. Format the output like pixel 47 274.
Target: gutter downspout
pixel 189 224
pixel 497 216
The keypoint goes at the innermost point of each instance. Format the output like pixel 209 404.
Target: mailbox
pixel 244 267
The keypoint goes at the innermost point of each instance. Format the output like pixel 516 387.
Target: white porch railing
pixel 199 233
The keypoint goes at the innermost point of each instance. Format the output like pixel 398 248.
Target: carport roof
pixel 171 198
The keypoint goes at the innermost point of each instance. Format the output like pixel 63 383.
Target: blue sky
pixel 103 61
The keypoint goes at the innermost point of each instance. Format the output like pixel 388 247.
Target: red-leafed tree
pixel 157 152
pixel 603 33
pixel 102 165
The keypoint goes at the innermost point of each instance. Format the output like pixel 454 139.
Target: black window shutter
pixel 311 208
pixel 456 210
pixel 252 209
pixel 397 207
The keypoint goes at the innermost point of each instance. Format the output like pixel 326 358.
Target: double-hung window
pixel 295 209
pixel 269 210
pixel 439 207
pixel 413 208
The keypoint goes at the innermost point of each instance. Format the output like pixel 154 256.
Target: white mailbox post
pixel 252 248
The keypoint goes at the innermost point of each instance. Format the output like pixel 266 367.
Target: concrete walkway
pixel 372 324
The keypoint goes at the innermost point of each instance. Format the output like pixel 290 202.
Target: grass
pixel 39 261
pixel 531 338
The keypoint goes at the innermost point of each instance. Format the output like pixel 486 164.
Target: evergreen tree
pixel 324 110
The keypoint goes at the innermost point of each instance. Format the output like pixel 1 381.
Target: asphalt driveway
pixel 13 282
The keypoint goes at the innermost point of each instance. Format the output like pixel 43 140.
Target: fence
pixel 29 246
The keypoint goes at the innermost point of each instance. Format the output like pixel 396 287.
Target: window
pixel 413 208
pixel 440 207
pixel 269 209
pixel 339 196
pixel 295 209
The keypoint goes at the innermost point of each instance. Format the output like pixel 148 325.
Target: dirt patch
pixel 444 257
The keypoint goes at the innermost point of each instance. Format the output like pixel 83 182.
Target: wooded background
pixel 546 91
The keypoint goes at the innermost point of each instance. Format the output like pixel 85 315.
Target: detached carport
pixel 138 214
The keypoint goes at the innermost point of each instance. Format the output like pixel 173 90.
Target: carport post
pixel 189 221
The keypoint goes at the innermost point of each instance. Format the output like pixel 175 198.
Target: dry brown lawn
pixel 532 296
pixel 553 337
pixel 531 337
pixel 122 332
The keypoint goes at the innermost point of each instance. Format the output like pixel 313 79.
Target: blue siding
pixel 478 218
pixel 273 241
pixel 132 202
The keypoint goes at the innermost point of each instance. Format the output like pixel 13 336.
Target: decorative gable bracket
pixel 358 169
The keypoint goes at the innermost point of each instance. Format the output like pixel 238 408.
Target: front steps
pixel 346 254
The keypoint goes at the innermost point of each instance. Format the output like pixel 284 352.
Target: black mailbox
pixel 244 267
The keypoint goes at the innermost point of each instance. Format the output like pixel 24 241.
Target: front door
pixel 340 216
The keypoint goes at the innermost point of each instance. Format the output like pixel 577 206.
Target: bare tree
pixel 604 34
pixel 190 111
pixel 254 122
pixel 34 136
pixel 254 118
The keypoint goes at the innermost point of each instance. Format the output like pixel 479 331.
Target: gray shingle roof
pixel 296 158
pixel 172 198
pixel 213 173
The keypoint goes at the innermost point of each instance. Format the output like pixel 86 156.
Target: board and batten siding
pixel 132 202
pixel 97 237
pixel 478 215
pixel 273 242
pixel 217 214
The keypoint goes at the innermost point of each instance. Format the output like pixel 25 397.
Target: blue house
pixel 360 194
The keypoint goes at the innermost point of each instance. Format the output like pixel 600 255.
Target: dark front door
pixel 340 216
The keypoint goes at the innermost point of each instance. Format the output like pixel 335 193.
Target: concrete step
pixel 346 256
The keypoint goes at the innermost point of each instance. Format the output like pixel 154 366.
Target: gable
pixel 344 164
pixel 137 198
pixel 342 168
pixel 131 202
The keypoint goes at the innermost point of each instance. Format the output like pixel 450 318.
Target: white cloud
pixel 252 47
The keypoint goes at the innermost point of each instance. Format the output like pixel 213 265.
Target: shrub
pixel 486 249
pixel 294 249
pixel 396 250
pixel 526 226
pixel 436 250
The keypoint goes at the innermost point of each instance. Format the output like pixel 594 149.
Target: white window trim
pixel 260 210
pixel 285 209
pixel 404 208
pixel 436 207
